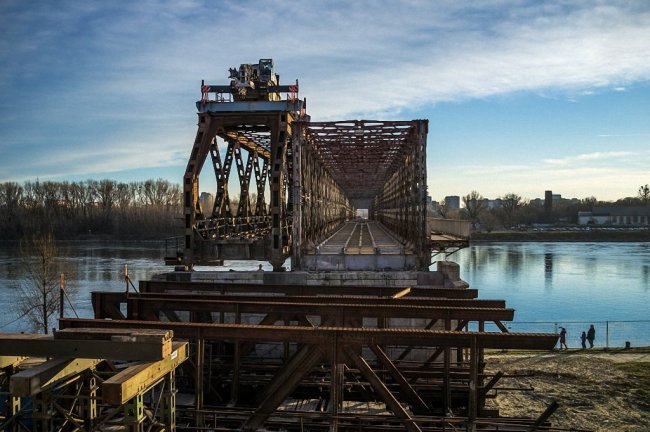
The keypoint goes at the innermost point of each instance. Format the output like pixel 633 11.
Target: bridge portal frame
pixel 263 129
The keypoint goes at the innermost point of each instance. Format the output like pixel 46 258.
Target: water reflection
pixel 563 281
pixel 514 256
pixel 548 271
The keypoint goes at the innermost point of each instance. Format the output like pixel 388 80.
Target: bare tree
pixel 39 282
pixel 644 194
pixel 510 204
pixel 443 210
pixel 474 206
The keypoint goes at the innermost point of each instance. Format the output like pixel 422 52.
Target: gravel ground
pixel 596 390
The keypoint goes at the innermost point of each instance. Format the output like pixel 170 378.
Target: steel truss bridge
pixel 364 337
pixel 315 175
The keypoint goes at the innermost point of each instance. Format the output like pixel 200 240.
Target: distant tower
pixel 452 202
pixel 548 205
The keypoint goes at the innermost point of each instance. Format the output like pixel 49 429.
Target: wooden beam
pixel 137 379
pixel 402 293
pixel 118 347
pixel 32 381
pixel 7 361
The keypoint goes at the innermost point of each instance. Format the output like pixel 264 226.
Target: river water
pixel 548 284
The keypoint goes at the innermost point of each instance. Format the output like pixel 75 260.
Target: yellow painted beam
pixel 6 361
pixel 33 380
pixel 137 379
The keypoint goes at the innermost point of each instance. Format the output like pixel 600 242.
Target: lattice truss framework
pixel 401 206
pixel 259 147
pixel 323 204
pixel 378 164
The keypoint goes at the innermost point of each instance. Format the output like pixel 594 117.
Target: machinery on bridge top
pixel 251 82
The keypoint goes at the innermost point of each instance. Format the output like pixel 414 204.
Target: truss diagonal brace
pixel 283 384
pixel 381 389
pixel 404 385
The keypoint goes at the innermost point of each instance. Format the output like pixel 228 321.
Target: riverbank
pixel 562 235
pixel 596 390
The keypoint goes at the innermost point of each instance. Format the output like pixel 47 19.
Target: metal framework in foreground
pixel 292 357
pixel 70 382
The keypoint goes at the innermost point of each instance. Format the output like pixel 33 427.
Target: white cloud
pixel 125 75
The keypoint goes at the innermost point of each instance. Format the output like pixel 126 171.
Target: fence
pixel 609 334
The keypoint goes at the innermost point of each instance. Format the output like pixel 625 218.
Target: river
pixel 548 284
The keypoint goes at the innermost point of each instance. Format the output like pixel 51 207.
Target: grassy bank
pixel 563 236
pixel 596 390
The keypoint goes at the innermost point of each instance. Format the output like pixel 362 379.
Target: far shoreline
pixel 594 235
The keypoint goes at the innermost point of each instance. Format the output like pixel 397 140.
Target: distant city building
pixel 615 215
pixel 548 202
pixel 452 202
pixel 492 203
pixel 207 201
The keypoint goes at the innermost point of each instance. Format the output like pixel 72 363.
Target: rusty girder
pixel 384 292
pixel 337 358
pixel 401 205
pixel 258 145
pixel 375 165
pixel 361 154
pixel 322 205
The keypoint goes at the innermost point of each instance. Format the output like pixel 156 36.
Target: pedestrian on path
pixel 583 339
pixel 563 338
pixel 591 335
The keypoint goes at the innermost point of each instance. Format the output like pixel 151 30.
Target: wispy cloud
pixel 108 76
pixel 609 157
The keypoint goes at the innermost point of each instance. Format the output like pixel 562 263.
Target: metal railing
pixel 609 334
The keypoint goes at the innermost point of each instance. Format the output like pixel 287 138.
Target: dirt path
pixel 599 390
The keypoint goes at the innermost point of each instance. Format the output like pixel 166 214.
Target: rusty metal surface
pixel 318 335
pixel 330 309
pixel 375 165
pixel 296 289
pixel 111 296
pixel 361 154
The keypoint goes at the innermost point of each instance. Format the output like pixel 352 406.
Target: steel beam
pixel 283 384
pixel 116 298
pixel 381 389
pixel 320 335
pixel 141 307
pixel 312 290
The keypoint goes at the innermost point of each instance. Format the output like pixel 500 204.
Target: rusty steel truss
pixel 360 164
pixel 296 181
pixel 297 357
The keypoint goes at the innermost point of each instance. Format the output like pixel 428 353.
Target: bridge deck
pixel 360 245
pixel 361 237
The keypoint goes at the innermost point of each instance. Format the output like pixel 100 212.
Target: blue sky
pixel 521 96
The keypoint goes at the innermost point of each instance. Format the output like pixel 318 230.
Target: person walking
pixel 563 338
pixel 583 339
pixel 591 335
